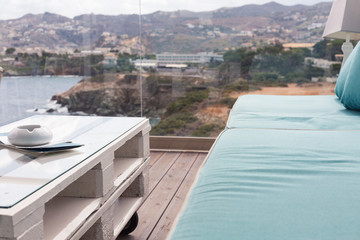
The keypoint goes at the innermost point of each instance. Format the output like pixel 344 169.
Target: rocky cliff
pixel 114 95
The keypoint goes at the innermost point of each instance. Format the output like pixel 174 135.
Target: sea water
pixel 22 97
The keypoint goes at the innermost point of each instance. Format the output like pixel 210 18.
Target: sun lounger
pixel 285 167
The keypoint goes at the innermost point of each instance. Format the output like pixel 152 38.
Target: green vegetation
pixel 335 69
pixel 64 64
pixel 156 79
pixel 228 101
pixel 327 49
pixel 296 77
pixel 237 63
pixel 55 64
pixel 311 71
pixel 172 123
pixel 178 113
pixel 206 130
pixel 281 62
pixel 273 65
pixel 124 64
pixel 10 51
pixel 237 85
pixel 150 56
pixel 184 103
pixel 266 77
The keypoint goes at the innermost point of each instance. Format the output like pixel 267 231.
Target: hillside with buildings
pixel 192 65
pixel 179 31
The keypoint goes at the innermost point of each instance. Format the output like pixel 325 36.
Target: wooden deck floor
pixel 171 175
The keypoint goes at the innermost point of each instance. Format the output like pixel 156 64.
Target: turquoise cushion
pixel 340 83
pixel 350 97
pixel 292 112
pixel 276 185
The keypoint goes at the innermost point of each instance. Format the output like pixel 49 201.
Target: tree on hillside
pixel 319 49
pixel 280 61
pixel 327 49
pixel 124 64
pixel 237 63
pixel 275 49
pixel 10 51
pixel 334 48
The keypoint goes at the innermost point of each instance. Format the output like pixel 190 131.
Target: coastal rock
pixel 113 95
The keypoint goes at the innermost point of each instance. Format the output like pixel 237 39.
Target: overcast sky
pixel 16 8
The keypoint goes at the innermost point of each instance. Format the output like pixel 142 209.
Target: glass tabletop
pixel 22 174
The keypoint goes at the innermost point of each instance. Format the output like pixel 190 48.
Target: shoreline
pixel 46 76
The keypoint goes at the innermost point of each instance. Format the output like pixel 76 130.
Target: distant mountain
pixel 178 31
pixel 254 10
pixel 36 19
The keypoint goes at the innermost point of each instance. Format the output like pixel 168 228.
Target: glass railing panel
pixel 182 69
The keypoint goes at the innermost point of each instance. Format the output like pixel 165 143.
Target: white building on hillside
pixel 145 63
pixel 172 58
pixel 320 63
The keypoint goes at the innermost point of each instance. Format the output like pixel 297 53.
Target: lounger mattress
pixel 292 112
pixel 276 184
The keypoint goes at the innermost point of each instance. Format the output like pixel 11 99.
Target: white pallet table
pixel 63 215
pixel 85 193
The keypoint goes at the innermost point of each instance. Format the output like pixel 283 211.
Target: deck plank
pixel 160 168
pixel 165 223
pixel 159 199
pixel 154 157
pixel 171 176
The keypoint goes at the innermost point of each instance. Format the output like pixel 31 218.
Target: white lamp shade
pixel 344 19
